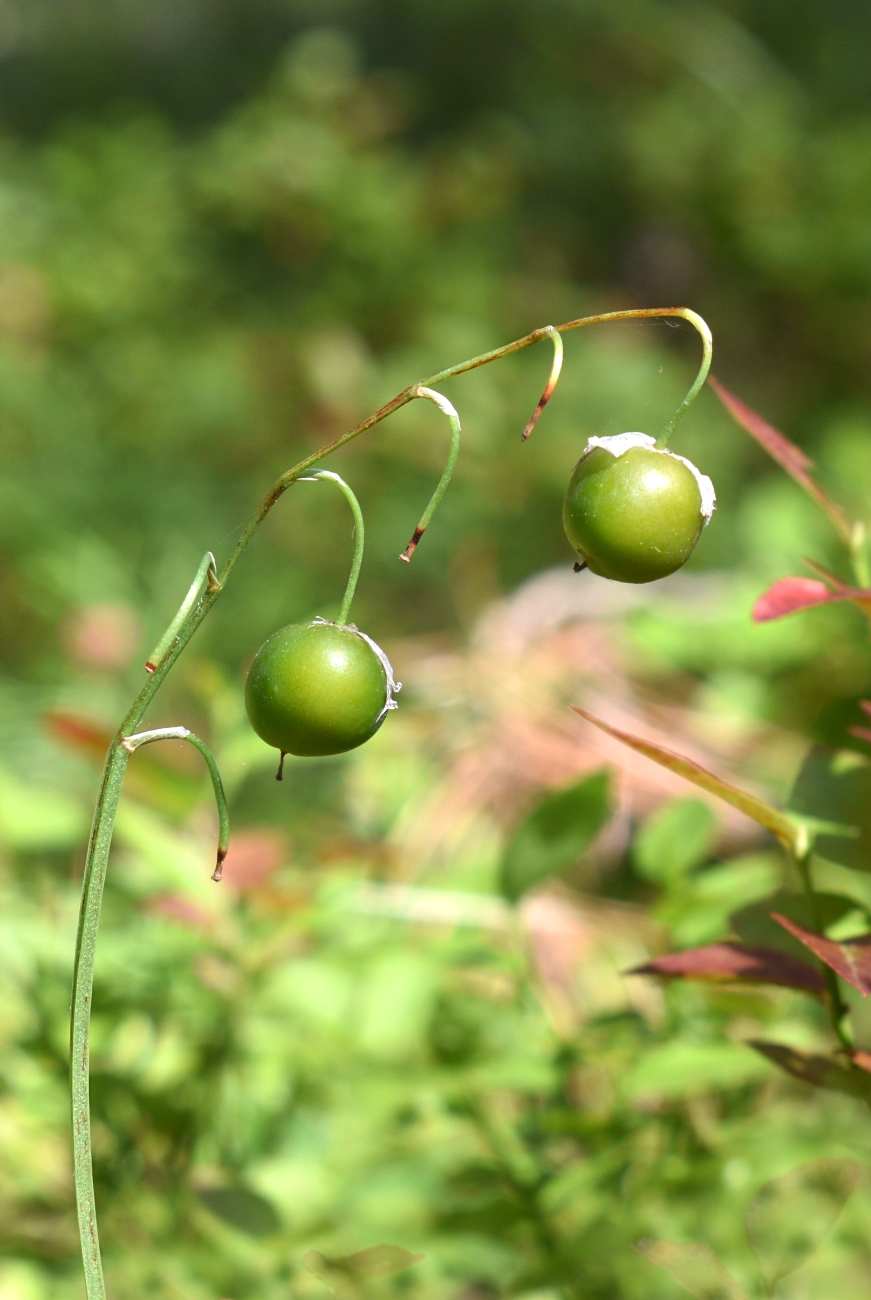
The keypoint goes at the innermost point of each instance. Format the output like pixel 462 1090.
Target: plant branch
pixel 204 591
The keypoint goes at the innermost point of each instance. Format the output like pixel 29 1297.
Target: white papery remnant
pixel 619 443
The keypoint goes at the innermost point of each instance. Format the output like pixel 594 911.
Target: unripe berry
pixel 318 688
pixel 634 512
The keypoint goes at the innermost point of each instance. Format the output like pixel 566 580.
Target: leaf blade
pixel 762 813
pixel 788 456
pixel 851 959
pixel 721 963
pixel 555 834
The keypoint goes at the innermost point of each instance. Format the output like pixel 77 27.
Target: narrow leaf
pixel 777 822
pixel 345 1273
pixel 850 959
pixel 790 595
pixel 694 1266
pixel 556 834
pixel 721 963
pixel 793 1214
pixel 786 453
pixel 837 1073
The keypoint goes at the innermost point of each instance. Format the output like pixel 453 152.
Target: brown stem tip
pixel 279 775
pixel 412 545
pixel 580 566
pixel 219 866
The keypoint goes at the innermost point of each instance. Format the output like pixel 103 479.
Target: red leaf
pixel 79 734
pixel 776 822
pixel 787 455
pixel 836 1072
pixel 851 959
pixel 789 595
pixel 731 962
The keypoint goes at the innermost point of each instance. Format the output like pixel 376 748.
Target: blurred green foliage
pixel 227 232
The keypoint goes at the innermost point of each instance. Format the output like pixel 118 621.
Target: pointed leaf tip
pixel 790 595
pixel 723 963
pixel 850 959
pixel 787 831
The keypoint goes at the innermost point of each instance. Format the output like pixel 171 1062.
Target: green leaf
pixel 348 1271
pixel 790 835
pixel 793 1214
pixel 835 785
pixel 754 925
pixel 673 840
pixel 695 1267
pixel 556 834
pixel 242 1209
pixel 685 1069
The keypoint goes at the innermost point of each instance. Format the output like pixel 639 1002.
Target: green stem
pixel 557 340
pixel 837 1007
pixel 206 571
pixel 204 591
pixel 447 409
pixel 359 537
pixel 132 743
pixel 707 353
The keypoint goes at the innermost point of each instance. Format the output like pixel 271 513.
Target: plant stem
pixel 447 409
pixel 837 1008
pixel 359 537
pixel 204 591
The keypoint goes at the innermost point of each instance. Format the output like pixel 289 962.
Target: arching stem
pixel 359 538
pixel 557 340
pixel 203 593
pixel 447 409
pixel 707 353
pixel 132 743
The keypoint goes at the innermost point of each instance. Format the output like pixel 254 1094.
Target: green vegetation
pixel 227 233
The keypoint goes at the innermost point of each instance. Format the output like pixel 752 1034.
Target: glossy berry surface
pixel 316 688
pixel 634 517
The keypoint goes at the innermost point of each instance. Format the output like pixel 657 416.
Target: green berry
pixel 633 512
pixel 317 688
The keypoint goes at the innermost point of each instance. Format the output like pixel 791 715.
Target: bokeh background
pixel 228 230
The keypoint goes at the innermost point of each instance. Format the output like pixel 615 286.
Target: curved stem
pixel 359 536
pixel 206 571
pixel 557 340
pixel 132 743
pixel 447 409
pixel 707 353
pixel 204 591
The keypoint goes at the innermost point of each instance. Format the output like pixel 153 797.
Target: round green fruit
pixel 317 688
pixel 634 512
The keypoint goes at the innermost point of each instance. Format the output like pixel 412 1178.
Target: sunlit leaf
pixel 556 834
pixel 786 453
pixel 676 838
pixel 345 1273
pixel 836 1072
pixel 695 1267
pixel 790 595
pixel 835 784
pixel 721 963
pixel 850 959
pixel 244 1209
pixel 777 822
pixel 794 1213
